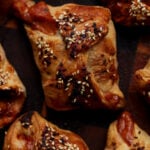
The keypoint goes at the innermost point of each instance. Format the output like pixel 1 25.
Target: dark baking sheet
pixel 133 46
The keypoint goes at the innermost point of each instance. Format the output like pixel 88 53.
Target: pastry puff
pixel 32 132
pixel 74 47
pixel 142 77
pixel 129 12
pixel 125 134
pixel 12 91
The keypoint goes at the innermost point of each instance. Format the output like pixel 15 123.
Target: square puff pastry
pixel 125 134
pixel 12 91
pixel 142 77
pixel 32 132
pixel 74 47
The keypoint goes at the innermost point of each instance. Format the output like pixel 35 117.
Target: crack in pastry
pixel 32 131
pixel 75 51
pixel 125 134
pixel 12 91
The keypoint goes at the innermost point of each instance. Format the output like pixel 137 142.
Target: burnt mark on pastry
pixel 79 39
pixel 26 119
pixel 45 52
pixel 53 140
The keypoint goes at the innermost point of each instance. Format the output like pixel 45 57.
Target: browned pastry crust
pixel 142 77
pixel 125 134
pixel 129 12
pixel 75 51
pixel 32 132
pixel 12 91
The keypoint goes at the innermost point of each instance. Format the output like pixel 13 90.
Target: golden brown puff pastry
pixel 125 134
pixel 12 91
pixel 142 77
pixel 75 51
pixel 129 12
pixel 32 132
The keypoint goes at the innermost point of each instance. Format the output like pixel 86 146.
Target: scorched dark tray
pixel 133 46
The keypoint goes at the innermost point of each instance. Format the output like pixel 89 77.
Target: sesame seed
pixel 84 83
pixel 86 77
pixel 6 132
pixel 88 95
pixel 83 87
pixel 74 100
pixel 81 92
pixel 68 84
pixel 79 82
pixel 86 24
pixel 87 84
pixel 70 79
pixel 91 90
pixel 66 89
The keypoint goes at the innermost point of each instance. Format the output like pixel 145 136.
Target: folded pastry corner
pixel 12 91
pixel 142 77
pixel 31 131
pixel 125 134
pixel 74 47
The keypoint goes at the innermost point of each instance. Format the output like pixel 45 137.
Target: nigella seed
pixel 73 54
pixel 94 25
pixel 83 35
pixel 72 33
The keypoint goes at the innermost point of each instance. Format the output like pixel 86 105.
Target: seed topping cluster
pixel 45 52
pixel 139 10
pixel 4 76
pixel 77 38
pixel 77 85
pixel 53 140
